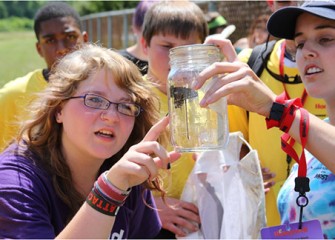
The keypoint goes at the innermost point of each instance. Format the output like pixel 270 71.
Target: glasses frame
pixel 109 104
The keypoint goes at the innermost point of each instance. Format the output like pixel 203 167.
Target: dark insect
pixel 180 94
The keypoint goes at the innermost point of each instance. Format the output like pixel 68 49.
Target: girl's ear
pixel 59 116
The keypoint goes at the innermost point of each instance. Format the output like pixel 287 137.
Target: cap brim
pixel 282 23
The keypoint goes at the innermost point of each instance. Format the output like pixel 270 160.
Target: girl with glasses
pixel 84 164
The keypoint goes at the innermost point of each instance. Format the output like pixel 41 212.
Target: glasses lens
pixel 95 101
pixel 129 109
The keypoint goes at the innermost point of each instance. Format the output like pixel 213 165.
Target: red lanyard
pixel 301 181
pixel 288 114
pixel 281 59
pixel 287 142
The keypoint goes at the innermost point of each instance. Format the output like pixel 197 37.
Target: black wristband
pixel 100 204
pixel 277 111
pixel 276 114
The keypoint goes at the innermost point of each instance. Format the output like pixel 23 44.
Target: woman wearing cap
pixel 312 27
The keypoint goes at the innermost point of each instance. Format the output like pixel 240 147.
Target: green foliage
pixel 16 24
pixel 18 15
pixel 3 10
pixel 16 8
pixel 27 9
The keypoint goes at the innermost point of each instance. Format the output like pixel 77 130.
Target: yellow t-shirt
pixel 14 98
pixel 174 183
pixel 267 141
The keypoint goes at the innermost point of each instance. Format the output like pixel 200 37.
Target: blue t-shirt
pixel 321 197
pixel 30 207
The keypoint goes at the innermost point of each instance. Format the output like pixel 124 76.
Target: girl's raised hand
pixel 143 160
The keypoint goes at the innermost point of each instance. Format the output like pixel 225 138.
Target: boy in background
pixel 58 31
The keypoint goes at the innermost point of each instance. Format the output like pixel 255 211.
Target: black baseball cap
pixel 282 23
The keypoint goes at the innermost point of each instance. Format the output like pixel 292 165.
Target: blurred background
pixel 107 22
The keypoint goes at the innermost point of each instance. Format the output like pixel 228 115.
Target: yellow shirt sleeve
pixel 244 55
pixel 14 99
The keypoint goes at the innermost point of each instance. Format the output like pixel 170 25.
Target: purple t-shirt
pixel 30 207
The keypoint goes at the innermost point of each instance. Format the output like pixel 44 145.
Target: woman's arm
pixel 320 141
pixel 243 88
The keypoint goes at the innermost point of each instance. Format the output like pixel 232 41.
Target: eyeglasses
pixel 98 102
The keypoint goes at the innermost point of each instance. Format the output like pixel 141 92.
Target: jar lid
pixel 194 47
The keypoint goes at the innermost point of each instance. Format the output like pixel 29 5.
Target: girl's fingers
pixel 173 156
pixel 156 130
pixel 147 167
pixel 160 156
pixel 151 148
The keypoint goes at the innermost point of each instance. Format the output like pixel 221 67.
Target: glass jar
pixel 192 127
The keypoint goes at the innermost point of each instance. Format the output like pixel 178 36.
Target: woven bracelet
pixel 110 190
pixel 97 189
pixel 116 189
